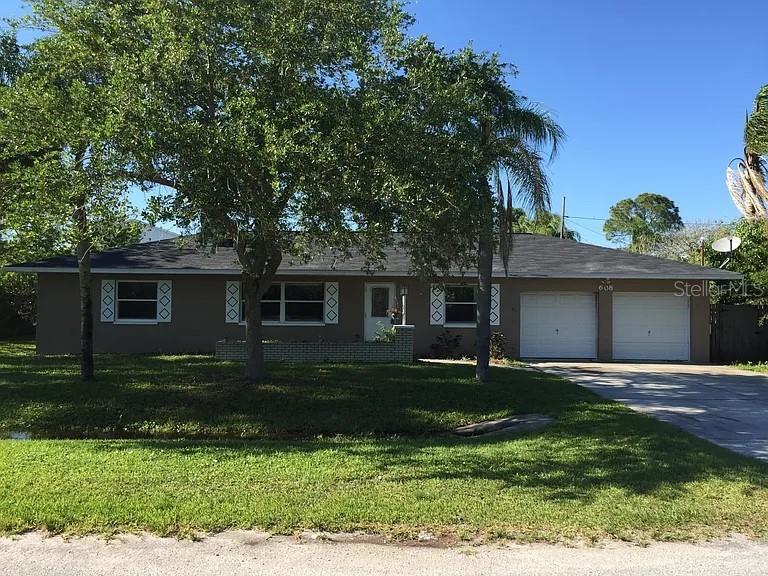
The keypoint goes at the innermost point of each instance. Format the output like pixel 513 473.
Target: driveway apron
pixel 724 405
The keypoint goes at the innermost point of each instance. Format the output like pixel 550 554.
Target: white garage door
pixel 558 325
pixel 648 326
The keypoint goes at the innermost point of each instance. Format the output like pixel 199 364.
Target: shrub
pixel 446 345
pixel 498 346
pixel 17 305
pixel 385 334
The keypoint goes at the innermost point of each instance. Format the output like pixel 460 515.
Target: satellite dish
pixel 727 244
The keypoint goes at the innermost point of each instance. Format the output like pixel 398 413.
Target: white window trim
pixel 136 321
pixel 283 301
pixel 447 302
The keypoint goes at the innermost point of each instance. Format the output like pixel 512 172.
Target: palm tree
pixel 545 224
pixel 467 131
pixel 747 182
pixel 512 134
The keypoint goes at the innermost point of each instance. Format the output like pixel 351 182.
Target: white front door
pixel 651 326
pixel 379 297
pixel 558 325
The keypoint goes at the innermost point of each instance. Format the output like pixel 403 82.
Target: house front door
pixel 379 297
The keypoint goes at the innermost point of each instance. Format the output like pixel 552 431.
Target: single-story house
pixel 559 299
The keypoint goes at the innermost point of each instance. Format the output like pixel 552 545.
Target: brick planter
pixel 398 351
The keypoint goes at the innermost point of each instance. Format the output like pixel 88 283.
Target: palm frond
pixel 526 173
pixel 736 189
pixel 510 207
pixel 533 126
pixel 756 129
pixel 754 200
pixel 502 219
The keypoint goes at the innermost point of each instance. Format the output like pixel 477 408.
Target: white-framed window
pixel 291 303
pixel 136 301
pixel 461 304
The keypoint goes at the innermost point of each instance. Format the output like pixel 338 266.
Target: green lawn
pixel 197 397
pixel 348 447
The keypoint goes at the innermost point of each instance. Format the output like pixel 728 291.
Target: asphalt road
pixel 254 554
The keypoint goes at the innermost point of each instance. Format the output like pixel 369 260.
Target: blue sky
pixel 652 94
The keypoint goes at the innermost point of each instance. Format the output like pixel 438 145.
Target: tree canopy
pixel 545 223
pixel 750 259
pixel 284 127
pixel 756 129
pixel 475 147
pixel 63 179
pixel 637 223
pixel 256 118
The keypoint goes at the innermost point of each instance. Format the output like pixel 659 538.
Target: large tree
pixel 637 223
pixel 747 182
pixel 255 118
pixel 17 293
pixel 63 177
pixel 690 243
pixel 478 146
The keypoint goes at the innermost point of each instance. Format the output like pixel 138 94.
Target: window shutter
pixel 164 300
pixel 495 305
pixel 437 305
pixel 233 302
pixel 108 298
pixel 331 315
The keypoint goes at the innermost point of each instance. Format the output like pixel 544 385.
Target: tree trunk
pixel 484 268
pixel 260 262
pixel 255 369
pixel 484 273
pixel 86 300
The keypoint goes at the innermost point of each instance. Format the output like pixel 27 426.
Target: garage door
pixel 558 325
pixel 650 326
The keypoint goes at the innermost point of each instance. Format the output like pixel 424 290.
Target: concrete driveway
pixel 724 405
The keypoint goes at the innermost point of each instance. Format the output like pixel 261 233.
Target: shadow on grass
pixel 575 462
pixel 394 418
pixel 198 397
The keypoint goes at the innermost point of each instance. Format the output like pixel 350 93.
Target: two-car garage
pixel 645 326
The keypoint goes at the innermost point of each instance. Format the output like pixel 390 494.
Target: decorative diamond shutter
pixel 436 305
pixel 331 303
pixel 108 298
pixel 495 305
pixel 233 302
pixel 164 300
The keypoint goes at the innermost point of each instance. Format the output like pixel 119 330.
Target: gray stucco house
pixel 560 299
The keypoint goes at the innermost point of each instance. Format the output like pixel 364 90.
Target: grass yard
pixel 754 366
pixel 178 445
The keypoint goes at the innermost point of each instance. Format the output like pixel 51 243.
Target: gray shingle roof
pixel 533 256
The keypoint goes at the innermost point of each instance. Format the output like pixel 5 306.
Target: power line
pixel 586 218
pixel 693 223
pixel 589 229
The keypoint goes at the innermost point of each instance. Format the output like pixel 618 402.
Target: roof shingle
pixel 533 256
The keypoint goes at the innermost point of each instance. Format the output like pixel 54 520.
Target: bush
pixel 18 296
pixel 446 345
pixel 498 346
pixel 385 334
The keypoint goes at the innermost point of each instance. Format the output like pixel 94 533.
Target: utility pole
pixel 562 220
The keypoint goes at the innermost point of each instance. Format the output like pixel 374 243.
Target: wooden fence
pixel 736 334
